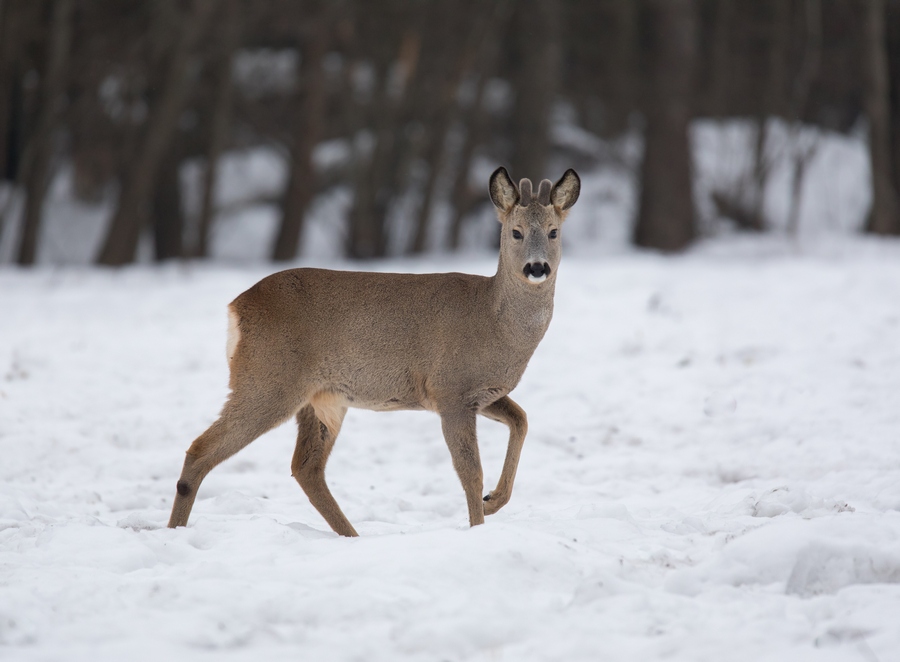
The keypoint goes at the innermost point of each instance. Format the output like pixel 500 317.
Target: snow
pixel 835 192
pixel 712 469
pixel 712 472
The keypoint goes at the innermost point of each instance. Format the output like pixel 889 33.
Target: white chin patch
pixel 537 279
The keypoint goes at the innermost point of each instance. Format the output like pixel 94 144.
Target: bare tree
pixel 221 118
pixel 423 91
pixel 623 87
pixel 773 103
pixel 8 55
pixel 306 132
pixel 804 148
pixel 885 215
pixel 475 118
pixel 458 55
pixel 39 152
pixel 373 193
pixel 166 209
pixel 132 210
pixel 537 33
pixel 666 218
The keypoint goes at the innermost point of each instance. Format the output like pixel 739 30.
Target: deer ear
pixel 565 191
pixel 504 193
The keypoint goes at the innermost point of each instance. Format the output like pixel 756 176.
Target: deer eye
pixel 553 234
pixel 517 234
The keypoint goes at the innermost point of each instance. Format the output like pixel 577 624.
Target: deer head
pixel 532 224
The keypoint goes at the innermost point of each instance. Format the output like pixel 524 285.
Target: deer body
pixel 311 343
pixel 408 341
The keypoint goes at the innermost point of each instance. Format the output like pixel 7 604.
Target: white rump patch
pixel 234 335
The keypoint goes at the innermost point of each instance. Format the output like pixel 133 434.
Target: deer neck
pixel 522 309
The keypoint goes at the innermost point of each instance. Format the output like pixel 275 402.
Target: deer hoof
pixel 494 502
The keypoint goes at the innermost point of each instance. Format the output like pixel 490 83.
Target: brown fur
pixel 310 343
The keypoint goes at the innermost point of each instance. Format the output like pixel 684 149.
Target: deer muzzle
pixel 536 272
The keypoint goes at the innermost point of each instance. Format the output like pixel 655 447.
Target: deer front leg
pixel 510 414
pixel 460 435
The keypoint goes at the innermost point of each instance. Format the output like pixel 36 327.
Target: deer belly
pixel 387 395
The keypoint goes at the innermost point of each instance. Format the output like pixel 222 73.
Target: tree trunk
pixel 221 122
pixel 7 68
pixel 537 78
pixel 132 210
pixel 409 142
pixel 476 129
pixel 884 217
pixel 722 75
pixel 803 150
pixel 305 135
pixel 367 237
pixel 774 103
pixel 451 66
pixel 666 219
pixel 624 74
pixel 37 171
pixel 168 216
pixel 475 119
pixel 893 63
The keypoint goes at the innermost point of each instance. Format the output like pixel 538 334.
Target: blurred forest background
pixel 404 107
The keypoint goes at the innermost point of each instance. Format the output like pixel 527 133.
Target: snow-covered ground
pixel 712 473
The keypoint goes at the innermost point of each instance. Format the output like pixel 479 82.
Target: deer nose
pixel 536 270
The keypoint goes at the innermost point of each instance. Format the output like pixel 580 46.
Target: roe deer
pixel 311 342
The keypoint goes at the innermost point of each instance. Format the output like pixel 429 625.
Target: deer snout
pixel 536 272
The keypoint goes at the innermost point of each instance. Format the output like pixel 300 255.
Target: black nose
pixel 536 269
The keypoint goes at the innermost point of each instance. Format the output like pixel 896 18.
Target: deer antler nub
pixel 543 196
pixel 525 193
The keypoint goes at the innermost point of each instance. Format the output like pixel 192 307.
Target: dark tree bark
pixel 433 157
pixel 132 210
pixel 439 111
pixel 93 149
pixel 893 53
pixel 166 209
pixel 722 65
pixel 774 104
pixel 453 64
pixel 10 96
pixel 624 72
pixel 36 170
pixel 537 79
pixel 221 120
pixel 475 120
pixel 368 233
pixel 305 135
pixel 7 69
pixel 884 217
pixel 666 218
pixel 803 83
pixel 476 130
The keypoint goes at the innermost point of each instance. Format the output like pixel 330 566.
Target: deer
pixel 310 343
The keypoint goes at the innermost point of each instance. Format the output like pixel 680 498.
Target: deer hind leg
pixel 460 435
pixel 319 424
pixel 243 419
pixel 509 413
